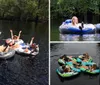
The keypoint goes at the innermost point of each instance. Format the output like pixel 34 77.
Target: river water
pixel 21 70
pixel 74 49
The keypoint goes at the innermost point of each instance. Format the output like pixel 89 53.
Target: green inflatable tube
pixel 97 71
pixel 66 74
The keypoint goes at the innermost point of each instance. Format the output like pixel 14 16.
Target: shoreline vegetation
pixel 86 10
pixel 24 10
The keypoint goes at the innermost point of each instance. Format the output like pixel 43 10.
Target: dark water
pixel 21 70
pixel 56 36
pixel 74 49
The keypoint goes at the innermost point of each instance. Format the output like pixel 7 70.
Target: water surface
pixel 74 49
pixel 21 70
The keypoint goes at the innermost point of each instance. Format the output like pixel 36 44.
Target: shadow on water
pixel 91 75
pixel 26 55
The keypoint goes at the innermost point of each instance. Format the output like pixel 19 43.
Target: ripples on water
pixel 74 49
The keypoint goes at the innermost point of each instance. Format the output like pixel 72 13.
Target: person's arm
pixel 31 41
pixel 19 34
pixel 11 34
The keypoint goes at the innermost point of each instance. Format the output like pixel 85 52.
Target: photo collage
pixel 49 42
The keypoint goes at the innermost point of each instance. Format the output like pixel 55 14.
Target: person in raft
pixel 15 37
pixel 4 48
pixel 75 22
pixel 93 67
pixel 33 47
pixel 65 69
pixel 86 57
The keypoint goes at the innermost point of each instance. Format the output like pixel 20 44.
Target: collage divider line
pixel 74 41
pixel 49 45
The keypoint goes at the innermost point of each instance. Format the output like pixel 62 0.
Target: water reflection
pixel 75 37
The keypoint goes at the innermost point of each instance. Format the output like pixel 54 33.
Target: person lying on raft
pixel 33 47
pixel 15 37
pixel 65 68
pixel 63 57
pixel 4 48
pixel 92 67
pixel 68 60
pixel 82 66
pixel 71 62
pixel 75 22
pixel 86 57
pixel 12 44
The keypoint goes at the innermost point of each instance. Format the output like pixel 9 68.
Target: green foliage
pixel 67 8
pixel 24 9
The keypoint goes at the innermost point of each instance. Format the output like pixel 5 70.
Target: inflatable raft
pixel 65 74
pixel 80 66
pixel 79 59
pixel 20 41
pixel 72 66
pixel 68 28
pixel 62 61
pixel 97 71
pixel 7 55
pixel 34 52
pixel 98 26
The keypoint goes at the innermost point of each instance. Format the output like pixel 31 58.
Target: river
pixel 21 70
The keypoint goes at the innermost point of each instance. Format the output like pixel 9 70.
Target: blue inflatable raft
pixel 98 27
pixel 67 28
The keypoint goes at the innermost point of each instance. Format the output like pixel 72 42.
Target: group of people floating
pixel 12 43
pixel 85 58
pixel 71 66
